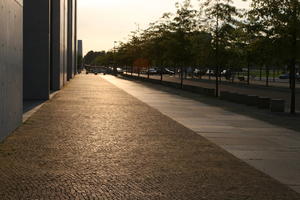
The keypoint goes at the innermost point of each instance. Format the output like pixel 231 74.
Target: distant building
pixel 80 55
pixel 80 48
pixel 38 48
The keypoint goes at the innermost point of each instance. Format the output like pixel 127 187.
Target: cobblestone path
pixel 94 141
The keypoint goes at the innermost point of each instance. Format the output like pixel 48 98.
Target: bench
pixel 252 100
pixel 263 102
pixel 277 105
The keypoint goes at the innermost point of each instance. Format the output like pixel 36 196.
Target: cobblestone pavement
pixel 94 141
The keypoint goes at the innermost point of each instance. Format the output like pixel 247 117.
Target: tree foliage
pixel 216 33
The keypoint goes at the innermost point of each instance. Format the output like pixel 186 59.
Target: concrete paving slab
pixel 242 135
pixel 284 165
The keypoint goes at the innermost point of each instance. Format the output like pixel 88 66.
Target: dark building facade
pixel 11 68
pixel 59 44
pixel 80 55
pixel 72 39
pixel 37 53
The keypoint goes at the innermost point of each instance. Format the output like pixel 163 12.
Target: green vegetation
pixel 217 36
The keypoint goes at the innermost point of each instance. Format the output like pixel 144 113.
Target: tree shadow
pixel 284 120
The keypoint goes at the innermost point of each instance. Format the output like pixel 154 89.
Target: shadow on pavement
pixel 284 120
pixel 30 105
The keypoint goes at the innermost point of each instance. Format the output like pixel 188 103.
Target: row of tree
pixel 218 36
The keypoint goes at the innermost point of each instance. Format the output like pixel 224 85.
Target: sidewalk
pixel 95 141
pixel 260 90
pixel 269 142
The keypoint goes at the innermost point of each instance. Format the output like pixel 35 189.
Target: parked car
pixel 199 72
pixel 120 70
pixel 152 71
pixel 284 76
pixel 223 72
pixel 144 71
pixel 226 73
pixel 166 71
pixel 287 76
pixel 210 72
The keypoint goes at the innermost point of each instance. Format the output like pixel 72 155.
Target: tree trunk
pixel 193 69
pixel 293 85
pixel 181 77
pixel 267 75
pixel 200 75
pixel 260 73
pixel 274 74
pixel 293 60
pixel 217 80
pixel 217 53
pixel 148 73
pixel 138 72
pixel 248 73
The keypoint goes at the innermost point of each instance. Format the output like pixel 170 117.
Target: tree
pixel 183 25
pixel 279 20
pixel 219 17
pixel 91 56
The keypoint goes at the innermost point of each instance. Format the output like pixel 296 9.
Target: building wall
pixel 36 76
pixel 59 47
pixel 80 55
pixel 71 39
pixel 75 39
pixel 49 46
pixel 34 51
pixel 64 40
pixel 11 48
pixel 80 48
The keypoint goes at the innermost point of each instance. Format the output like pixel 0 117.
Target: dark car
pixel 152 71
pixel 165 71
pixel 199 72
pixel 210 72
pixel 168 71
pixel 287 76
pixel 284 76
pixel 120 70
